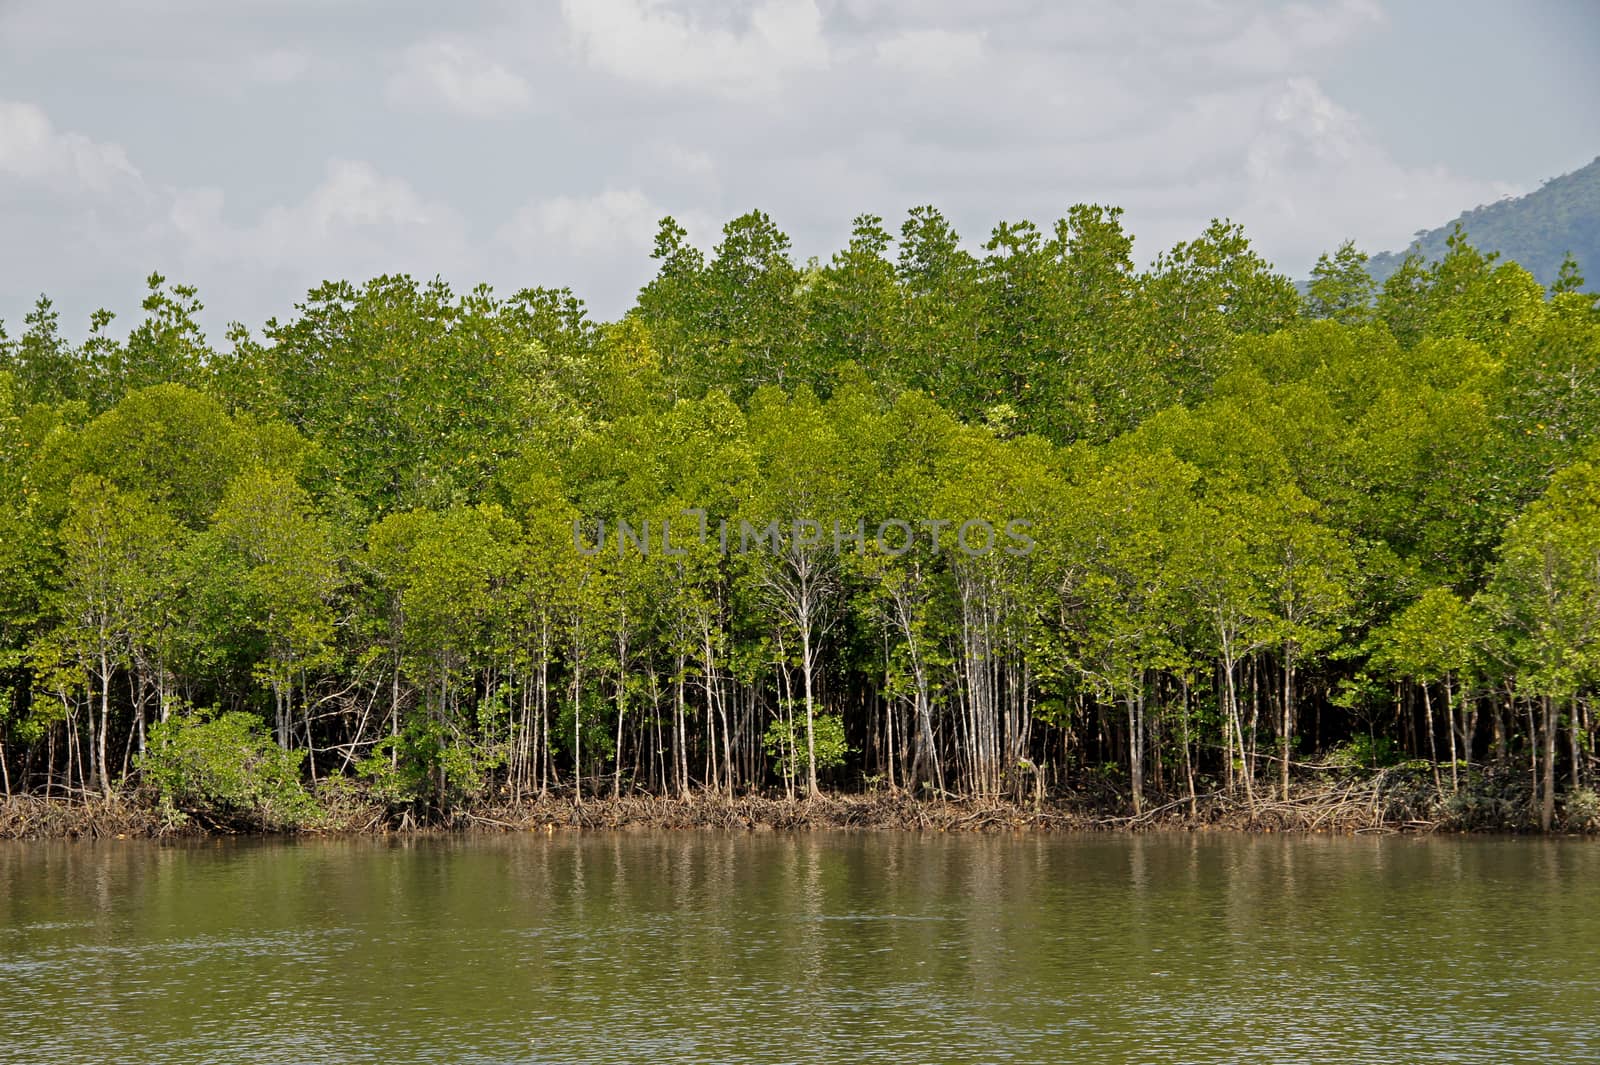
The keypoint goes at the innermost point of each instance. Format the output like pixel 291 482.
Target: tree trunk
pixel 577 734
pixel 811 739
pixel 1286 730
pixel 1238 733
pixel 1450 726
pixel 1136 744
pixel 1547 807
pixel 1433 749
pixel 622 694
pixel 1188 760
pixel 100 761
pixel 1574 734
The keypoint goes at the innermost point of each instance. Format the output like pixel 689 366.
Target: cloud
pixel 130 153
pixel 649 42
pixel 32 149
pixel 1313 175
pixel 610 221
pixel 931 52
pixel 598 245
pixel 356 219
pixel 101 225
pixel 1287 38
pixel 75 205
pixel 460 78
pixel 679 161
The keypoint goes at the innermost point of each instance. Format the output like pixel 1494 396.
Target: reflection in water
pixel 893 948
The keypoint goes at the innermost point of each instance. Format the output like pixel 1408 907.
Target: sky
pixel 254 149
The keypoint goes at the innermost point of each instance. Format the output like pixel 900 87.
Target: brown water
pixel 827 948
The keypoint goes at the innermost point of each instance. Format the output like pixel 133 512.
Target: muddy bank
pixel 1386 802
pixel 29 817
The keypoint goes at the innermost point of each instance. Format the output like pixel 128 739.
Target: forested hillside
pixel 1537 231
pixel 1264 539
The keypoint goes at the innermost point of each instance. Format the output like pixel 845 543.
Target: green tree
pixel 1341 288
pixel 168 346
pixel 225 768
pixel 1121 607
pixel 152 442
pixel 939 331
pixel 449 578
pixel 116 549
pixel 795 570
pixel 1308 573
pixel 1201 294
pixel 42 362
pixel 1437 640
pixel 272 559
pixel 852 309
pixel 1546 592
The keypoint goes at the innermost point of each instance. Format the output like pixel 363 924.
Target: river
pixel 823 947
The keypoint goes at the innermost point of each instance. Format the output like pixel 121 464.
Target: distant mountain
pixel 1536 230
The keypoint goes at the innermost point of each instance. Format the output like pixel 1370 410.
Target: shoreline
pixel 1348 810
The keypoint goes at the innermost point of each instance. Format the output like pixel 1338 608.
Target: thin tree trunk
pixel 1238 731
pixel 100 761
pixel 811 739
pixel 1547 809
pixel 1286 730
pixel 1450 726
pixel 1188 762
pixel 1433 749
pixel 1135 701
pixel 622 692
pixel 1574 731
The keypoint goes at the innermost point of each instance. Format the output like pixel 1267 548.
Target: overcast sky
pixel 255 148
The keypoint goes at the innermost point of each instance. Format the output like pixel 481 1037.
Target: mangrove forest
pixel 1024 522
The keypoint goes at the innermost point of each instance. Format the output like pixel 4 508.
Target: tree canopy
pixel 927 515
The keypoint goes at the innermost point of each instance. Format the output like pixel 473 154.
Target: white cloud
pixel 357 219
pixel 357 222
pixel 1314 175
pixel 678 161
pixel 355 194
pixel 932 52
pixel 650 42
pixel 31 148
pixel 610 221
pixel 460 78
pixel 1283 39
pixel 813 110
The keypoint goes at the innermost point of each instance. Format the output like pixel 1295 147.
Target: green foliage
pixel 1546 588
pixel 1341 288
pixel 151 442
pixel 1364 751
pixel 422 766
pixel 225 768
pixel 1435 637
pixel 1581 812
pixel 1257 525
pixel 414 393
pixel 785 742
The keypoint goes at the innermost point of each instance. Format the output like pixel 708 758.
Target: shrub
pixel 1365 752
pixel 423 765
pixel 1581 811
pixel 827 732
pixel 225 768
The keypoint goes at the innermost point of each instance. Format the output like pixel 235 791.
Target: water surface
pixel 822 947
